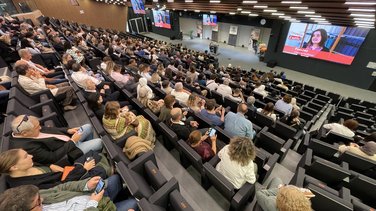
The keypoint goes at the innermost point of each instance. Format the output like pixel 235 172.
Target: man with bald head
pixel 48 145
pixel 237 124
pixel 182 129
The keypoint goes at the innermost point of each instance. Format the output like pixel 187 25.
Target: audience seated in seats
pixel 293 120
pixel 211 84
pixel 125 80
pixel 65 59
pixel 280 197
pixel 293 103
pixel 20 169
pixel 166 87
pixel 165 114
pixel 57 44
pixel 368 150
pixel 75 195
pixel 201 79
pixel 210 112
pixel 268 110
pixel 283 86
pixel 224 89
pixel 160 70
pixel 109 67
pixel 155 78
pixel 195 102
pixel 250 103
pixel 237 161
pixel 80 75
pixel 298 89
pixel 145 72
pixel 237 124
pixel 142 83
pixel 182 129
pixel 260 89
pixel 136 146
pixel 180 94
pixel 120 121
pixel 200 144
pixel 7 51
pixel 104 62
pixel 347 128
pixel 153 105
pixel 77 55
pixel 168 74
pixel 133 66
pixel 284 104
pixel 26 59
pixel 237 96
pixel 47 54
pixel 48 145
pixel 32 82
pixel 192 74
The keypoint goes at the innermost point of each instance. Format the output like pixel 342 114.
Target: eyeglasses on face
pixel 24 119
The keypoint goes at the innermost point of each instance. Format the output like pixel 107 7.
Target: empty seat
pixel 365 121
pixel 368 104
pixel 263 120
pixel 363 188
pixel 233 105
pixel 364 115
pixel 309 110
pixel 170 138
pixel 165 200
pixel 351 101
pixel 357 107
pixel 323 97
pixel 333 137
pixel 323 149
pixel 358 163
pixel 217 96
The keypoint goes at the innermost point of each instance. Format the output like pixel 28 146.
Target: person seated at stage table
pixel 50 144
pixel 346 129
pixel 119 121
pixel 210 112
pixel 200 144
pixel 20 169
pixel 236 163
pixel 182 128
pixel 75 195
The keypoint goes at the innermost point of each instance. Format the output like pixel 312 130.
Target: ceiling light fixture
pixel 245 12
pixel 249 2
pixel 306 12
pixel 299 8
pixel 231 13
pixel 360 3
pixel 362 15
pixel 254 15
pixel 362 10
pixel 313 16
pixel 260 6
pixel 364 19
pixel 270 10
pixel 240 9
pixel 277 14
pixel 291 2
pixel 215 1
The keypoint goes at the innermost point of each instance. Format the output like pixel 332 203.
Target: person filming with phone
pixel 205 145
pixel 90 194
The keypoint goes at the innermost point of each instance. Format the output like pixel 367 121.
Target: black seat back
pixel 358 163
pixel 324 200
pixel 326 171
pixel 263 120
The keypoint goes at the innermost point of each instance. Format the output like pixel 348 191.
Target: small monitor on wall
pixel 209 20
pixel 338 44
pixel 138 6
pixel 162 19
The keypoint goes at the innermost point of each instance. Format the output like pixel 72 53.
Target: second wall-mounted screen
pixel 138 6
pixel 209 20
pixel 331 43
pixel 162 19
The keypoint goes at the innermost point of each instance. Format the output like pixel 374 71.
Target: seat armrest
pixel 121 142
pixel 298 135
pixel 162 194
pixel 298 178
pixel 47 117
pixel 246 192
pixel 38 105
pixel 138 164
pixel 214 161
pixel 126 175
pixel 286 146
pixel 345 194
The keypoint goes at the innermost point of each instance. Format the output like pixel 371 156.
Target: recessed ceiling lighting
pixel 245 12
pixel 299 8
pixel 215 1
pixel 254 15
pixel 197 11
pixel 368 27
pixel 231 13
pixel 313 16
pixel 189 1
pixel 364 19
pixel 270 10
pixel 318 19
pixel 362 10
pixel 240 9
pixel 362 15
pixel 170 1
pixel 291 2
pixel 249 2
pixel 364 22
pixel 306 12
pixel 360 3
pixel 285 17
pixel 213 12
pixel 260 6
pixel 277 14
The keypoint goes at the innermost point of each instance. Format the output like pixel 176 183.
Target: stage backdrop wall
pixel 356 74
pixel 95 13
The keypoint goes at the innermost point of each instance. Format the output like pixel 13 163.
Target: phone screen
pixel 100 186
pixel 79 130
pixel 212 132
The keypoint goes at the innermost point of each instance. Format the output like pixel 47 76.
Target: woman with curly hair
pixel 280 197
pixel 237 161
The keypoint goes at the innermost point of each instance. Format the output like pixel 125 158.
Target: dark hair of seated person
pixel 210 104
pixel 371 137
pixel 165 83
pixel 21 69
pixel 76 67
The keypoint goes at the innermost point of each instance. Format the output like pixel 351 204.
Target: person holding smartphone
pixel 204 145
pixel 89 194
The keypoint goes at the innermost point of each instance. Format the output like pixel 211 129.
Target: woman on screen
pixel 160 18
pixel 317 41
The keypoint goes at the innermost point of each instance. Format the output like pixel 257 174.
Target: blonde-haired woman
pixel 237 161
pixel 110 67
pixel 118 122
pixel 195 103
pixel 153 105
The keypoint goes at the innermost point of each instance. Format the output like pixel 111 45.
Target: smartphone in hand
pixel 100 186
pixel 212 132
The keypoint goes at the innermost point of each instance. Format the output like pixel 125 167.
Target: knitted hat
pixel 369 148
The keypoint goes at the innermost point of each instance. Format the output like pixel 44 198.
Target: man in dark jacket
pixel 182 129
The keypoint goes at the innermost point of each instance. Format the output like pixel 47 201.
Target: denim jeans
pixel 86 142
pixel 114 186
